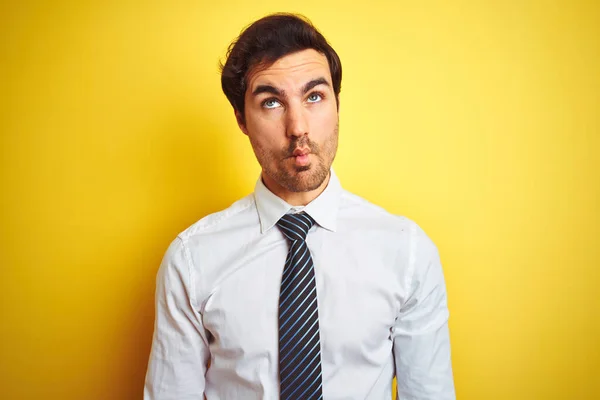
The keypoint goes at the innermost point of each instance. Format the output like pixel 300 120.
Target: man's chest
pixel 359 289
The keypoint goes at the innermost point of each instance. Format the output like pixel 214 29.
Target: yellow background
pixel 479 120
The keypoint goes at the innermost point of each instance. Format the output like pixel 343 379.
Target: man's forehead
pixel 302 65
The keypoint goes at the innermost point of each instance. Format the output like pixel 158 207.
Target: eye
pixel 314 97
pixel 270 103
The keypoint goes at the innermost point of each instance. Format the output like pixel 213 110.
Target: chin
pixel 303 168
pixel 297 179
pixel 305 179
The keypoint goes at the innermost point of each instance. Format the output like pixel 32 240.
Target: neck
pixel 294 198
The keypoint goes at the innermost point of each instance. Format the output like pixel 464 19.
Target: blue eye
pixel 270 103
pixel 314 97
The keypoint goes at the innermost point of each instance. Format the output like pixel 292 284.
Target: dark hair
pixel 264 42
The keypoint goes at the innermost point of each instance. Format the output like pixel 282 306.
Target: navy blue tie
pixel 299 342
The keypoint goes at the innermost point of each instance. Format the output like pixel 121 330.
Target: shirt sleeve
pixel 421 340
pixel 180 353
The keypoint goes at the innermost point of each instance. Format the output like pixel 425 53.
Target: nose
pixel 296 120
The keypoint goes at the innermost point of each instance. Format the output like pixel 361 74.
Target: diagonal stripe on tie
pixel 299 336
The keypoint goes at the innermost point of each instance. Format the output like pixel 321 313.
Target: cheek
pixel 325 120
pixel 264 136
pixel 264 124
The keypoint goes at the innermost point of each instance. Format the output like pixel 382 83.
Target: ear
pixel 240 121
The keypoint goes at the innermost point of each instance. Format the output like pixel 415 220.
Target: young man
pixel 300 290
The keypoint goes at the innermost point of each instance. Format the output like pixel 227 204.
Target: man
pixel 300 290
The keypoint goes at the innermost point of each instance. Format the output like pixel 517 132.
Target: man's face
pixel 292 120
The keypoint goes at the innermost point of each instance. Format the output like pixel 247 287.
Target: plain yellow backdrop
pixel 477 119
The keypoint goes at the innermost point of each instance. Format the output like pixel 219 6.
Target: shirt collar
pixel 323 209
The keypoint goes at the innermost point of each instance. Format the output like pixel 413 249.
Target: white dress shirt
pixel 381 298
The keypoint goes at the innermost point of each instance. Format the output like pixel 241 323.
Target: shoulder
pixel 220 220
pixel 367 215
pixel 360 208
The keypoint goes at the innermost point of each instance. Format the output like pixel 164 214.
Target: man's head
pixel 283 80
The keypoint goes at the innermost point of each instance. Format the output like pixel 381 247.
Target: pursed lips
pixel 301 152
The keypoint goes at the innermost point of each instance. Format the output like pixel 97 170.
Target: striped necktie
pixel 299 344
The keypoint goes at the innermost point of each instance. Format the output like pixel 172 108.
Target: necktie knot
pixel 296 226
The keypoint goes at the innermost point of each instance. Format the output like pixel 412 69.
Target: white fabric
pixel 381 295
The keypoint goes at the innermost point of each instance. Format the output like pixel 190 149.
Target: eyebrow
pixel 278 92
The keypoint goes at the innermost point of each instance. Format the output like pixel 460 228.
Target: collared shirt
pixel 381 298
